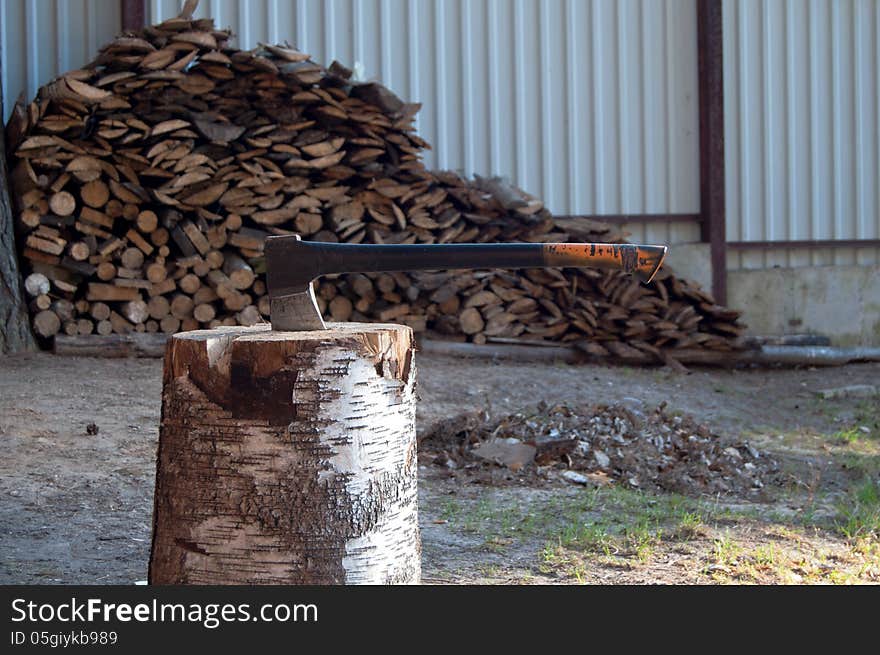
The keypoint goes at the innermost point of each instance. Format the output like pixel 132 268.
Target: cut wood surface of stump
pixel 287 458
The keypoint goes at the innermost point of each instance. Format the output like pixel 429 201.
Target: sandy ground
pixel 76 508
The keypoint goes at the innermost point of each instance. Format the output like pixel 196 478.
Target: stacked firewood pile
pixel 147 182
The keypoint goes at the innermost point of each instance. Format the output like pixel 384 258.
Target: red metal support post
pixel 134 14
pixel 711 90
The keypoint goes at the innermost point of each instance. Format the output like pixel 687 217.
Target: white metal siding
pixel 591 105
pixel 44 38
pixel 802 127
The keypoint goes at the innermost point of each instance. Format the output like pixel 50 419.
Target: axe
pixel 292 265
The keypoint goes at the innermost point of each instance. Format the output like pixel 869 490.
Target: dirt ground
pixel 75 507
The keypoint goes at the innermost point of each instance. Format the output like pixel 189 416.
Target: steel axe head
pixel 290 269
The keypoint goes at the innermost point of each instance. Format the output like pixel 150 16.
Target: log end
pixel 391 346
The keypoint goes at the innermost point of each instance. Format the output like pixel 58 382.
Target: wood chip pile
pixel 635 445
pixel 146 183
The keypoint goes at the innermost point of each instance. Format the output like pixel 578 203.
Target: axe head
pixel 290 270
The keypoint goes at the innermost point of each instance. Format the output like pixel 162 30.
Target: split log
pixel 204 313
pixel 41 302
pixel 95 194
pixel 62 203
pixel 47 323
pixel 135 311
pixel 100 311
pixel 111 345
pixel 239 272
pixel 147 221
pixel 132 258
pixel 169 324
pixel 341 308
pixel 250 315
pixel 334 498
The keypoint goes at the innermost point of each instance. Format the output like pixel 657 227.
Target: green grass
pixel 766 555
pixel 450 511
pixel 621 529
pixel 868 415
pixel 726 551
pixel 642 540
pixel 562 561
pixel 626 527
pixel 690 524
pixel 859 512
pixel 849 435
pixel 589 516
pixel 863 424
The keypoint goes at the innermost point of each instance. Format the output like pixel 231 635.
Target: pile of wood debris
pixel 146 183
pixel 596 445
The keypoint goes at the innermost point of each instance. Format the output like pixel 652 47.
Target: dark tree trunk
pixel 15 330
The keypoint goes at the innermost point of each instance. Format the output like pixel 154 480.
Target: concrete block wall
pixel 841 302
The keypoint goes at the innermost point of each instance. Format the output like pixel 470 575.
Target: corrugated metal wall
pixel 591 105
pixel 802 127
pixel 43 38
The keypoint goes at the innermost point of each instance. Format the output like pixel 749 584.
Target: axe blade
pixel 296 312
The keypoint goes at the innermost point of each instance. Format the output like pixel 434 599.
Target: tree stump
pixel 287 458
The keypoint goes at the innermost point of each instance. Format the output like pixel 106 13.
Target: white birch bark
pixel 287 458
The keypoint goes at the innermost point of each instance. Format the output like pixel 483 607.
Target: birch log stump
pixel 287 458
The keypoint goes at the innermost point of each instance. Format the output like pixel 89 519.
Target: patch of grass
pixel 496 544
pixel 641 506
pixel 642 540
pixel 690 525
pixel 726 551
pixel 510 519
pixel 868 415
pixel 849 435
pixel 867 552
pixel 617 530
pixel 563 562
pixel 450 511
pixel 859 512
pixel 862 424
pixel 627 528
pixel 863 464
pixel 491 570
pixel 772 563
pixel 766 555
pixel 587 537
pixel 475 518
